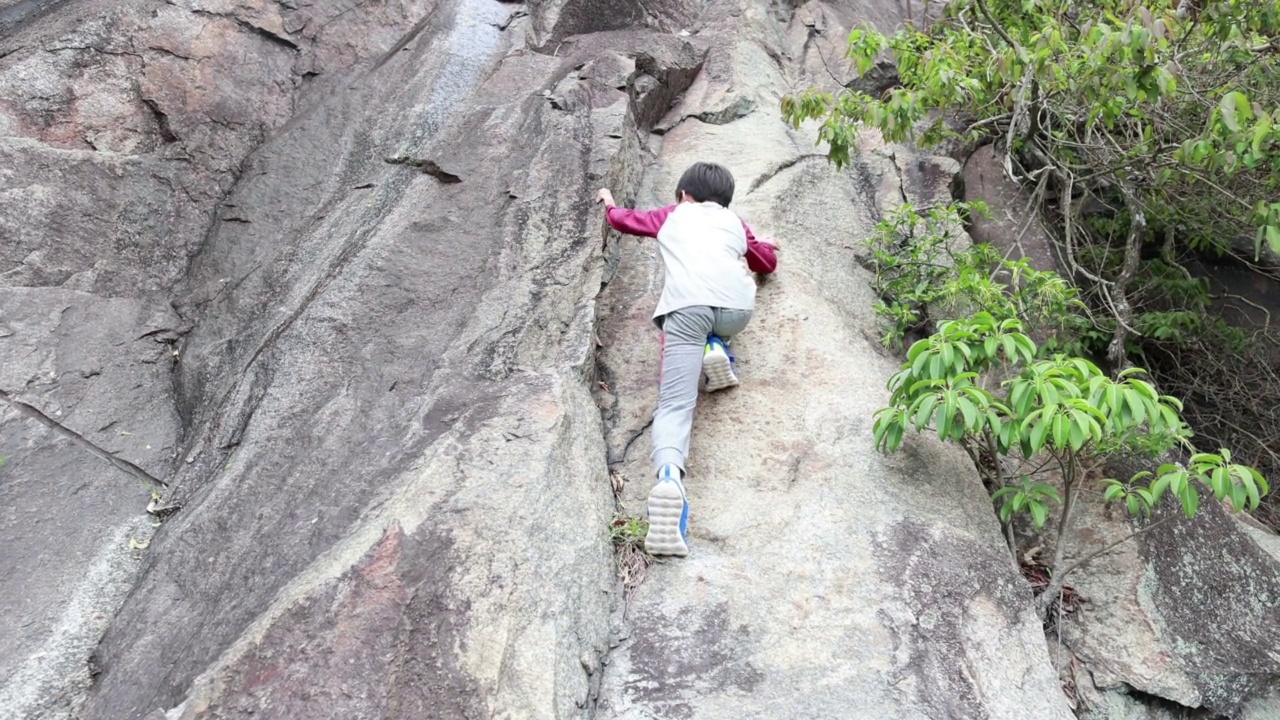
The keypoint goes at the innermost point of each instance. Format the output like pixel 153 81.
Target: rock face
pixel 826 580
pixel 1142 635
pixel 329 282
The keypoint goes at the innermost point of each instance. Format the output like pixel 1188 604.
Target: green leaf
pixel 970 414
pixel 1019 501
pixel 1219 483
pixel 1147 498
pixel 925 411
pixel 1227 111
pixel 921 360
pixel 1158 487
pixel 1190 499
pixel 1137 407
pixel 1238 497
pixel 1076 435
pixel 1273 237
pixel 1002 492
pixel 1060 430
pixel 946 414
pixel 1260 132
pixel 1038 436
pixel 1038 513
pixel 1246 476
pixel 896 433
pixel 885 422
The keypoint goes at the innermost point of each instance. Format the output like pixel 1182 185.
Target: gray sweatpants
pixel 686 333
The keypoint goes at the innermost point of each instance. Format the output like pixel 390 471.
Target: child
pixel 707 297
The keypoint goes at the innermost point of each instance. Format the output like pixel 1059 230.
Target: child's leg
pixel 717 363
pixel 686 333
pixel 729 322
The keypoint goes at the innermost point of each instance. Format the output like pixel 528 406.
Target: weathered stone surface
pixel 332 273
pixel 1184 613
pixel 100 369
pixel 554 20
pixel 377 347
pixel 826 580
pixel 1013 226
pixel 121 126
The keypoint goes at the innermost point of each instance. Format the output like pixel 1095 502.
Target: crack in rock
pixel 249 27
pixel 430 167
pixel 784 165
pixel 120 463
pixel 162 121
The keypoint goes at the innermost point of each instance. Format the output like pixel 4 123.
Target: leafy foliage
pixel 922 259
pixel 1064 406
pixel 1031 497
pixel 1142 127
pixel 628 529
pixel 1061 407
pixel 1179 110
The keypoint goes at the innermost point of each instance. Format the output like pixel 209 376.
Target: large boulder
pixel 1181 616
pixel 1012 224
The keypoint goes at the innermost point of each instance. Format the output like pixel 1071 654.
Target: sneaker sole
pixel 666 508
pixel 719 371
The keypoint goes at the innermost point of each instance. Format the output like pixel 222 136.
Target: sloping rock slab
pixel 394 458
pixel 84 382
pixel 825 580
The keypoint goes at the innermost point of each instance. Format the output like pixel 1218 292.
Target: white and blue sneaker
pixel 718 365
pixel 668 515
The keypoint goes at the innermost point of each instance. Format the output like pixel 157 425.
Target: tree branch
pixel 996 26
pixel 1060 579
pixel 1117 354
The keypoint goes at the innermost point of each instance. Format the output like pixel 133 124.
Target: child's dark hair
pixel 707 181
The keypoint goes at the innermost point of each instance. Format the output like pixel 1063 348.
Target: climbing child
pixel 708 295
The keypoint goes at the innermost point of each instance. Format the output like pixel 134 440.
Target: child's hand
pixel 605 197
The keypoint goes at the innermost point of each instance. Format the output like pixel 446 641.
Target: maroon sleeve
pixel 644 223
pixel 761 257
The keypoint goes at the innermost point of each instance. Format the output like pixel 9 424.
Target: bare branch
pixel 1117 352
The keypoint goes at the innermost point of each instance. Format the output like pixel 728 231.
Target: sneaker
pixel 718 365
pixel 668 515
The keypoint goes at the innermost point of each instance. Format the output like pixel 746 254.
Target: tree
pixel 1163 118
pixel 1148 133
pixel 1063 409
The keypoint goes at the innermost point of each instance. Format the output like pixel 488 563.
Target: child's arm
pixel 644 223
pixel 762 255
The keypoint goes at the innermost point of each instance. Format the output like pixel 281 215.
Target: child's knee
pixel 731 322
